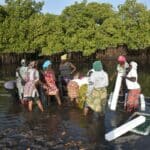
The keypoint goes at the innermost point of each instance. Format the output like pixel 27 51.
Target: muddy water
pixel 61 128
pixel 57 128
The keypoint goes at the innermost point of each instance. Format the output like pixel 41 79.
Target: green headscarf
pixel 97 66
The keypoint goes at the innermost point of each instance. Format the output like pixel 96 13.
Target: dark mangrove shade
pixel 84 27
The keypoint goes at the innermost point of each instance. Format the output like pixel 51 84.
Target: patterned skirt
pixel 133 99
pixel 97 100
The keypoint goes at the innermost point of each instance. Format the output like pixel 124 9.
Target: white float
pixel 116 91
pixel 124 128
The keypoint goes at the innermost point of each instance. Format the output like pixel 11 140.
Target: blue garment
pixel 46 64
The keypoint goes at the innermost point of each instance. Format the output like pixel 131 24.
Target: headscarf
pixel 121 58
pixel 23 62
pixel 97 66
pixel 134 65
pixel 46 64
pixel 64 57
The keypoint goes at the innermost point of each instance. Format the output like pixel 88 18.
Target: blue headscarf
pixel 46 64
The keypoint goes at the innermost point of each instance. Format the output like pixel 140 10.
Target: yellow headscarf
pixel 64 57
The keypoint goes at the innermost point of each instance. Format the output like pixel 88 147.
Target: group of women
pixel 93 85
pixel 29 79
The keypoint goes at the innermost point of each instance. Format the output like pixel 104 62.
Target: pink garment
pixel 30 90
pixel 133 99
pixel 121 59
pixel 73 89
pixel 50 86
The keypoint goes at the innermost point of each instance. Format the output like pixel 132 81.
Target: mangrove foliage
pixel 82 27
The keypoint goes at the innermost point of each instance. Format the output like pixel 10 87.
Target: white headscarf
pixel 23 62
pixel 134 65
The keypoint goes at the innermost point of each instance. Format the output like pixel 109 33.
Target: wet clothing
pixel 20 74
pixel 50 85
pixel 30 90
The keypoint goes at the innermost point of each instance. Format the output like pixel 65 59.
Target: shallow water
pixel 65 125
pixel 61 127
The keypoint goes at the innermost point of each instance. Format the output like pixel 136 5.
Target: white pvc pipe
pixel 110 99
pixel 116 92
pixel 125 101
pixel 124 128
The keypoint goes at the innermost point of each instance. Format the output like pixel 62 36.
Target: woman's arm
pixel 53 74
pixel 133 79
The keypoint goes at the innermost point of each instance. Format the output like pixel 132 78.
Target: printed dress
pixel 50 85
pixel 30 90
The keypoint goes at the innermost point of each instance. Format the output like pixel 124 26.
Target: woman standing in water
pixel 133 87
pixel 122 68
pixel 30 90
pixel 73 88
pixel 20 82
pixel 97 93
pixel 122 65
pixel 50 85
pixel 66 70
